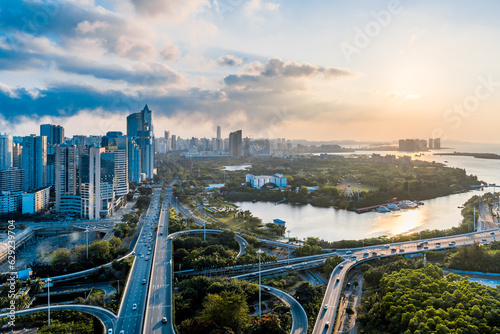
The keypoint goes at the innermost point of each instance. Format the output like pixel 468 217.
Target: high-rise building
pixel 145 142
pixel 35 200
pixel 134 161
pixel 6 154
pixel 97 176
pixel 141 121
pixel 134 124
pixel 17 151
pixel 34 159
pixel 67 179
pixel 218 140
pixel 174 143
pixel 437 143
pixel 54 133
pixel 140 127
pixel 12 179
pixel 235 143
pixel 431 143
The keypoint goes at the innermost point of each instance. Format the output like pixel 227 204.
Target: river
pixel 439 213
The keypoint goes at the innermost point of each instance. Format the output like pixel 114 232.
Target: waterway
pixel 439 213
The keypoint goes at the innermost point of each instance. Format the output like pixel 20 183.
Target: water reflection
pixel 399 222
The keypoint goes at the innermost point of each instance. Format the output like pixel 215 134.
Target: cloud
pixel 175 9
pixel 254 6
pixel 86 27
pixel 229 60
pixel 278 72
pixel 170 53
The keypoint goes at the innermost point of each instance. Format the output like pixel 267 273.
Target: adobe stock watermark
pixel 456 115
pixel 40 18
pixel 363 36
pixel 11 281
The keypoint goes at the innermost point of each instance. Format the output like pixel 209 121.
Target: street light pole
pixel 260 293
pixel 288 248
pixel 48 296
pixel 87 234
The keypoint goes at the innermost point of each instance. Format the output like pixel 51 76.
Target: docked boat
pixel 407 205
pixel 383 209
pixel 393 207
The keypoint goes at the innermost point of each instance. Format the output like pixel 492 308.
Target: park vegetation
pixel 220 306
pixel 410 298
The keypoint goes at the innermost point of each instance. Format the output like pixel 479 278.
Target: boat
pixel 393 207
pixel 383 209
pixel 407 204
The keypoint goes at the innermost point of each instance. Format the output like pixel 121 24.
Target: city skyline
pixel 374 70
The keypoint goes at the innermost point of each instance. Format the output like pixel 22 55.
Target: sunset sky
pixel 317 70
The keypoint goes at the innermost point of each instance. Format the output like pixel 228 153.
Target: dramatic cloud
pixel 276 74
pixel 230 60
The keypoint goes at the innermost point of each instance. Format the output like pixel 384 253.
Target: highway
pixel 107 317
pixel 356 256
pixel 133 306
pixel 159 304
pixel 299 315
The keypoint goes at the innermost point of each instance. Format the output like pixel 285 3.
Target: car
pixel 326 306
pixel 266 288
pixel 110 331
pixel 327 324
pixel 365 254
pixel 341 266
pixel 492 233
pixel 426 247
pixel 143 281
pixel 164 320
pixel 161 233
pixel 338 279
pixel 147 258
pixel 348 252
pixel 401 250
pixel 393 250
pixel 149 253
pixel 134 307
pixel 122 332
pixel 453 242
pixel 386 246
pixel 438 245
pixel 483 239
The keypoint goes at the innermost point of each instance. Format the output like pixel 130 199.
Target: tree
pixel 229 309
pixel 60 257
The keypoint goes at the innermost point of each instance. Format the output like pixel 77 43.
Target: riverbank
pixel 475 155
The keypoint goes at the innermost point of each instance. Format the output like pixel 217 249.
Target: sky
pixel 364 70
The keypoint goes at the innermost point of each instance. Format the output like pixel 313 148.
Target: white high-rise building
pixel 67 183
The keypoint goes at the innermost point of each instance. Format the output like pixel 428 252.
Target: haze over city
pixel 321 70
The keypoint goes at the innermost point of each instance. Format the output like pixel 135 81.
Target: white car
pixel 134 307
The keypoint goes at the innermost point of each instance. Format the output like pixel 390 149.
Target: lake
pixel 332 224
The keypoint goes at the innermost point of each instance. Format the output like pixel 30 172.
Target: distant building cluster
pixel 415 145
pixel 259 181
pixel 89 175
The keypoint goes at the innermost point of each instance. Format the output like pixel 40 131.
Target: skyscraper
pixel 67 179
pixel 97 176
pixel 34 158
pixel 17 151
pixel 54 133
pixel 141 121
pixel 235 143
pixel 218 141
pixel 6 154
pixel 140 127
